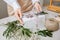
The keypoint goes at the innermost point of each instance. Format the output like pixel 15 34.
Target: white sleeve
pixel 33 1
pixel 13 3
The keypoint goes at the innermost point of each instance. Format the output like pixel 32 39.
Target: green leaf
pixel 23 32
pixel 13 28
pixel 42 13
pixel 45 33
pixel 28 34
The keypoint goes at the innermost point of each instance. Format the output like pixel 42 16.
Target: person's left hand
pixel 38 7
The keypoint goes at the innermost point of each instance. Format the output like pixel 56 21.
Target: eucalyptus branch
pixel 13 29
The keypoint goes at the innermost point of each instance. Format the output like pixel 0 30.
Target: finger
pixel 39 8
pixel 20 20
pixel 20 13
pixel 36 6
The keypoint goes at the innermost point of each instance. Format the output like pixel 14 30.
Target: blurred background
pixel 3 9
pixel 6 9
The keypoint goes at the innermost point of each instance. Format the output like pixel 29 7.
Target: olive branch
pixel 13 28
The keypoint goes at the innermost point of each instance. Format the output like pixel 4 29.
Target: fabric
pixel 26 5
pixel 15 4
pixel 33 1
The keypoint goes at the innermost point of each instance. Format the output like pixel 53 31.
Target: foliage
pixel 41 13
pixel 13 27
pixel 44 33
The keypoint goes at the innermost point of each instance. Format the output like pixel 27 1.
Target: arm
pixel 16 8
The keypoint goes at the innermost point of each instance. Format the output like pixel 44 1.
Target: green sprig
pixel 43 13
pixel 44 33
pixel 13 28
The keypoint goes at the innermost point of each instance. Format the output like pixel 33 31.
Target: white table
pixel 56 35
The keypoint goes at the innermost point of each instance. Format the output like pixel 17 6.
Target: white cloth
pixel 15 4
pixel 33 1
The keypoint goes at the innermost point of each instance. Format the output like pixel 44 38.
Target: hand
pixel 18 15
pixel 38 7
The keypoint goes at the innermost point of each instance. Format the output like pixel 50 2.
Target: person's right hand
pixel 18 15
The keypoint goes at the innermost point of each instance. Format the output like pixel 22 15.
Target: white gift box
pixel 33 22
